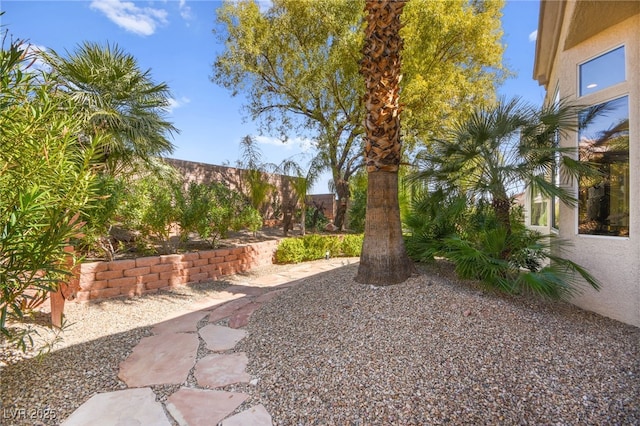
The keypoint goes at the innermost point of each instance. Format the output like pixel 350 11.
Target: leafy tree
pixel 46 180
pixel 117 98
pixel 383 259
pixel 297 64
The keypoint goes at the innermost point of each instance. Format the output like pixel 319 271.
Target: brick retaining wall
pixel 134 277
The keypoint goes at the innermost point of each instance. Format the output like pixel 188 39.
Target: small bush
pixel 290 250
pixel 314 247
pixel 351 245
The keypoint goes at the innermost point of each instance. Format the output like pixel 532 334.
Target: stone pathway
pixel 170 357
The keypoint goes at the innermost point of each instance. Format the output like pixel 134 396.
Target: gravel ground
pixel 432 350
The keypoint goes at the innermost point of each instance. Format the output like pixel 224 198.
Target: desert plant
pixel 46 180
pixel 351 245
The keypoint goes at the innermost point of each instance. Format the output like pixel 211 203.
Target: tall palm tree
pixel 118 99
pixel 383 260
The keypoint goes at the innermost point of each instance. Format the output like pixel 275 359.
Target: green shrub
pixel 290 250
pixel 314 247
pixel 351 245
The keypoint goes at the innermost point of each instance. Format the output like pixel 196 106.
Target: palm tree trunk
pixel 383 260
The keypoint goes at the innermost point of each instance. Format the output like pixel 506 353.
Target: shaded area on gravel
pixel 432 351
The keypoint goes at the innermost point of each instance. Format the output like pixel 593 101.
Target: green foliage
pixel 486 157
pixel 352 245
pixel 316 246
pixel 149 207
pixel 481 248
pixel 46 180
pixel 291 250
pixel 211 210
pixel 315 218
pixel 99 217
pixel 297 65
pixel 358 205
pixel 115 97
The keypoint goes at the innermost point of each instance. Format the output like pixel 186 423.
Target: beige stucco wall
pixel 615 261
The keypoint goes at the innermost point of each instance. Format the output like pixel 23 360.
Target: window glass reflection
pixel 602 72
pixel 604 140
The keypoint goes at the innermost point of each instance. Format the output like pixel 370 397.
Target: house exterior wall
pixel 614 261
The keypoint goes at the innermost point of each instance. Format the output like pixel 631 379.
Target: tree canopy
pixel 297 65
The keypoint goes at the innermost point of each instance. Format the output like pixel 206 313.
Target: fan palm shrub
pixel 472 175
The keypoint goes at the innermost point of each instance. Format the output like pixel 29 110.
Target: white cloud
pixel 185 11
pixel 303 144
pixel 177 103
pixel 127 15
pixel 533 36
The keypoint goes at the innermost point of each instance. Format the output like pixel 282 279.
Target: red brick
pixel 134 272
pixel 196 278
pixel 119 265
pixel 154 285
pixel 178 266
pixel 170 258
pixel 161 268
pixel 222 253
pixel 108 275
pixel 97 285
pixel 207 254
pixel 200 262
pixel 230 257
pixel 147 261
pixel 93 267
pixel 210 268
pixel 190 256
pixel 132 290
pixel 168 275
pixel 147 278
pixel 216 260
pixel 83 296
pixel 105 293
pixel 177 281
pixel 238 250
pixel 191 271
pixel 122 282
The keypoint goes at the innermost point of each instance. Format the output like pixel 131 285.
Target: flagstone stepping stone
pixel 241 317
pixel 125 407
pixel 182 324
pixel 194 407
pixel 266 297
pixel 245 290
pixel 219 338
pixel 254 416
pixel 217 370
pixel 158 360
pixel 227 309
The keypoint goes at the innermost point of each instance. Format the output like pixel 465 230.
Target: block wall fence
pixel 135 277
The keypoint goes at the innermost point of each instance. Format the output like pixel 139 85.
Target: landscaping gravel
pixel 330 351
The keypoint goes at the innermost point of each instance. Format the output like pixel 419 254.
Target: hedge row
pixel 313 247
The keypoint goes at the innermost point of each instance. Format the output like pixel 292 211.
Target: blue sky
pixel 174 39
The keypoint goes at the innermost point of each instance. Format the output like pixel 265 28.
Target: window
pixel 555 173
pixel 602 72
pixel 538 209
pixel 604 140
